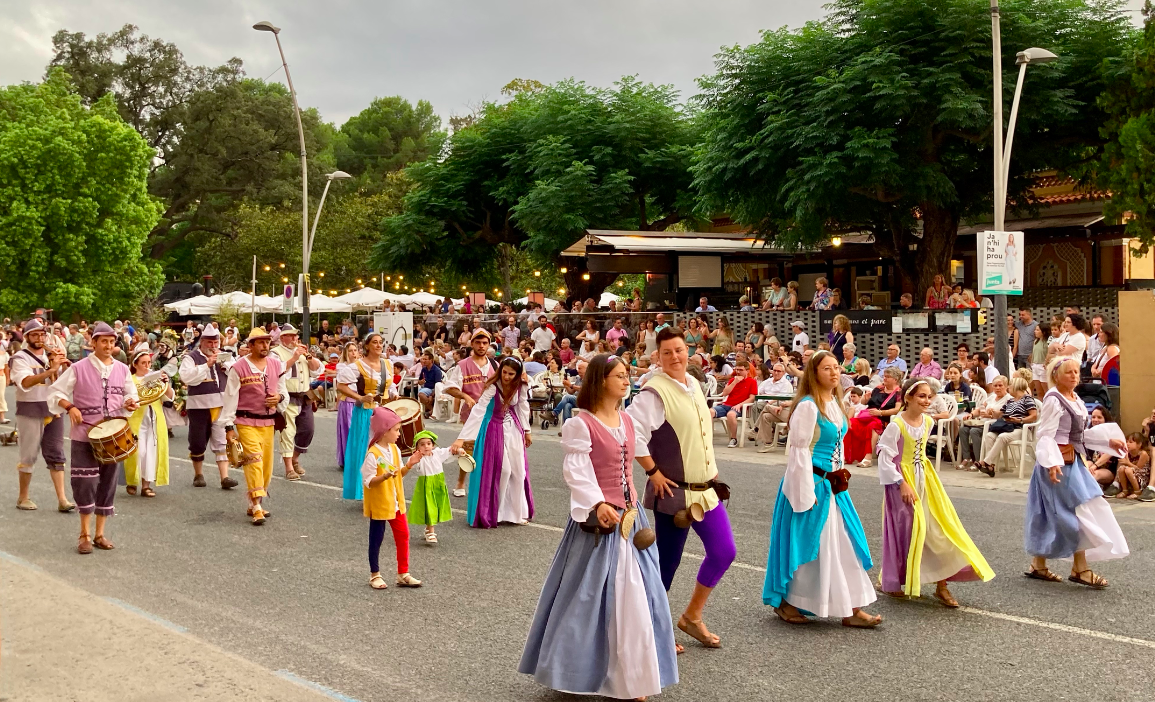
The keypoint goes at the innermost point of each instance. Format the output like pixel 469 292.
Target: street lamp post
pixel 266 26
pixel 1002 158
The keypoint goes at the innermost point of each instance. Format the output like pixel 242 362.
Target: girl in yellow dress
pixel 923 540
pixel 148 466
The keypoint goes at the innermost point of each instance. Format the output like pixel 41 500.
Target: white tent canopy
pixel 608 297
pixel 548 305
pixel 365 298
pixel 319 303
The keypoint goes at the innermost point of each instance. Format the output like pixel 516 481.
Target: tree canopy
pixel 387 136
pixel 536 171
pixel 1127 170
pixel 878 119
pixel 74 203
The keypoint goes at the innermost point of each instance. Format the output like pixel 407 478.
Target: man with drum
pixel 300 368
pixel 468 384
pixel 92 390
pixel 37 430
pixel 203 370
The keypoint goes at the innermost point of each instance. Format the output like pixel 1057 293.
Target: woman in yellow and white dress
pixel 149 465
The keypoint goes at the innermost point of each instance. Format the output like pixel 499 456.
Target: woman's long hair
pixel 808 385
pixel 505 395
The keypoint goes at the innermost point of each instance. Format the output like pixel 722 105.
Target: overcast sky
pixel 454 53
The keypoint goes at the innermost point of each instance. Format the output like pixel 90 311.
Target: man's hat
pixel 102 329
pixel 798 323
pixel 211 332
pixel 480 332
pixel 288 329
pixel 258 333
pixel 33 325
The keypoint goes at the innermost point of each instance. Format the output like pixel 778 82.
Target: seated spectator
pixel 967 300
pixel 744 304
pixel 849 358
pixel 1017 411
pixel 955 383
pixel 836 301
pixel 704 305
pixel 617 335
pixel 721 370
pixel 861 375
pixel 774 411
pixel 429 375
pixel 971 431
pixel 566 354
pixel 867 425
pixel 984 371
pixel 535 364
pixel 906 301
pixel 853 401
pixel 1135 467
pixel 1109 348
pixel 892 360
pixel 737 391
pixel 926 367
pixel 940 406
pixel 865 302
pixel 570 385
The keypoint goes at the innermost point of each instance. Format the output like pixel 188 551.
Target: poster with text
pixel 1000 256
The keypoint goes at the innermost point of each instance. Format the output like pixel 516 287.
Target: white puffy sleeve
pixel 477 414
pixel 192 374
pixel 1098 438
pixel 283 391
pixel 1047 449
pixel 648 413
pixel 521 406
pixel 441 455
pixel 368 468
pixel 798 484
pixel 61 390
pixel 641 443
pixel 232 395
pixel 889 454
pixel 347 374
pixel 578 469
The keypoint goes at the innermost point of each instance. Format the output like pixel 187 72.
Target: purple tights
pixel 717 540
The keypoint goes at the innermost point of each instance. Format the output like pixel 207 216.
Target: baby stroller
pixel 541 399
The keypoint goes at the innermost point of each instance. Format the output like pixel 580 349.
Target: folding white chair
pixel 744 409
pixel 943 437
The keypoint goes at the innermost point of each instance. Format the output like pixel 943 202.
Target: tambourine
pixel 466 463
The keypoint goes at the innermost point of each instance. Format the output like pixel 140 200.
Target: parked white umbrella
pixel 321 303
pixel 548 304
pixel 607 298
pixel 365 298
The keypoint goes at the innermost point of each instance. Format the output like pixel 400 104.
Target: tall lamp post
pixel 266 26
pixel 1002 162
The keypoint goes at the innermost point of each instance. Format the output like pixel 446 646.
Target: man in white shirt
pixel 33 370
pixel 1094 346
pixel 542 337
pixel 986 367
pixel 704 306
pixel 774 411
pixel 404 358
pixel 801 340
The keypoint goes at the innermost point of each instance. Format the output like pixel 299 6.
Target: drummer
pixel 91 390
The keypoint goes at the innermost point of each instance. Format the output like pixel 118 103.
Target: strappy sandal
pixel 856 622
pixel 944 596
pixel 148 492
pixel 103 544
pixel 695 629
pixel 407 580
pixel 1044 574
pixel 1097 582
pixel 131 489
pixel 796 618
pixel 377 583
pixel 297 467
pixel 430 538
pixel 292 475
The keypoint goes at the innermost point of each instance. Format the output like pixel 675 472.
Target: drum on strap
pixel 112 440
pixel 412 422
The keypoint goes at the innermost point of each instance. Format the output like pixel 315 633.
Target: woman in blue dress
pixel 818 554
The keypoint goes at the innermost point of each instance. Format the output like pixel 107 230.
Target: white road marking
pixel 328 692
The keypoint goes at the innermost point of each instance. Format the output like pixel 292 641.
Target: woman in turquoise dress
pixel 818 554
pixel 366 383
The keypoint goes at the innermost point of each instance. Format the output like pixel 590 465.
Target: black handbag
pixel 1001 426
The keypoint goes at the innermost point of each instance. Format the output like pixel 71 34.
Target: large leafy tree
pixel 535 172
pixel 387 136
pixel 74 204
pixel 878 119
pixel 218 137
pixel 1128 166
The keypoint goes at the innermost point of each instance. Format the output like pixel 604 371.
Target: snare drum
pixel 112 440
pixel 412 422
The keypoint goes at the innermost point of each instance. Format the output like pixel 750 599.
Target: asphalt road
pixel 293 596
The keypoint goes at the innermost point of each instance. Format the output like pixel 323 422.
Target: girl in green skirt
pixel 430 504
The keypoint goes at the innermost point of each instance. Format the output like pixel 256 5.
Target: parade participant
pixel 382 473
pixel 150 462
pixel 91 390
pixel 468 384
pixel 301 368
pixel 366 381
pixel 818 554
pixel 350 352
pixel 499 424
pixel 430 504
pixel 923 539
pixel 602 625
pixel 37 430
pixel 203 371
pixel 683 489
pixel 1066 513
pixel 254 394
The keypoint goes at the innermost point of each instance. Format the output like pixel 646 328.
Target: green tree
pixel 878 119
pixel 218 137
pixel 387 136
pixel 74 204
pixel 1127 170
pixel 537 171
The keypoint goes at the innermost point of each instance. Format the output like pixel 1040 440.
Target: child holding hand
pixel 430 505
pixel 382 472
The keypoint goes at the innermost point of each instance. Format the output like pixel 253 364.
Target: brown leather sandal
pixel 103 544
pixel 1095 582
pixel 944 596
pixel 1044 574
pixel 795 618
pixel 85 545
pixel 148 492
